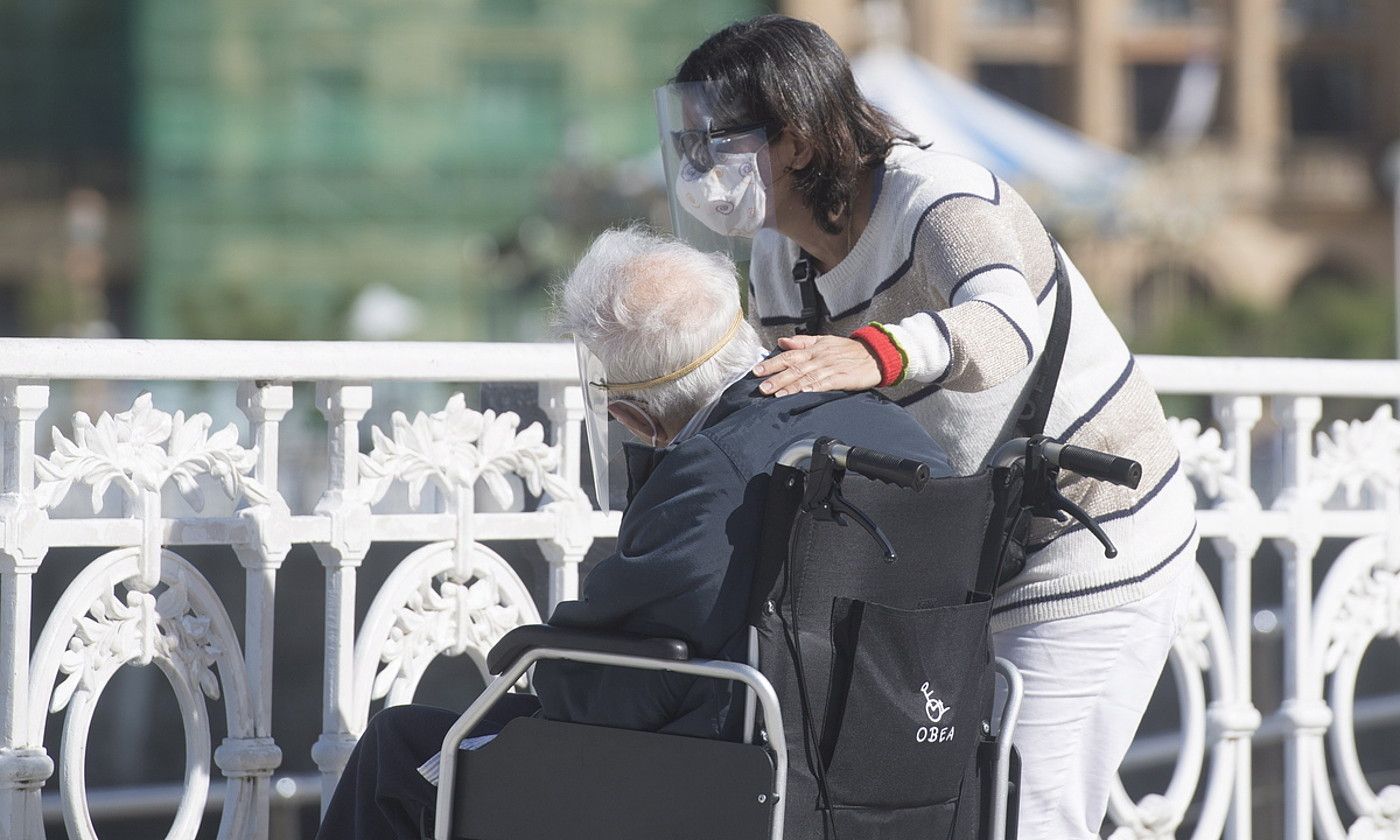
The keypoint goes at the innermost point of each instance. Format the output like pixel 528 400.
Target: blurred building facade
pixel 243 168
pixel 249 169
pixel 1263 122
pixel 328 148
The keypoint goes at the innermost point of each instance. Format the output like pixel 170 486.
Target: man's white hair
pixel 648 305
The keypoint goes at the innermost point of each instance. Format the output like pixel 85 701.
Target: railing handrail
pixel 477 361
pixel 321 361
pixel 1242 375
pixel 452 594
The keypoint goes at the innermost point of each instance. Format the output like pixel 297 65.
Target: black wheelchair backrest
pixel 884 668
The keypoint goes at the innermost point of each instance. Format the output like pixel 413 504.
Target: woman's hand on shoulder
pixel 818 363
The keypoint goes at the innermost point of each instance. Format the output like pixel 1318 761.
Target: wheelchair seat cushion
pixel 547 780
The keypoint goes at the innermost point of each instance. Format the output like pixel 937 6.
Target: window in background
pixel 1164 10
pixel 332 124
pixel 1031 85
pixel 1154 91
pixel 516 109
pixel 66 89
pixel 1005 10
pixel 508 11
pixel 1325 13
pixel 1326 97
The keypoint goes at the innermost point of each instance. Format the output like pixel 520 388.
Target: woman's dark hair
pixel 789 75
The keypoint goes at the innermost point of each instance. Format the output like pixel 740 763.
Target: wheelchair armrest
pixel 517 642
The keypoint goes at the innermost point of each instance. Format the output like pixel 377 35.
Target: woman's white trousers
pixel 1087 681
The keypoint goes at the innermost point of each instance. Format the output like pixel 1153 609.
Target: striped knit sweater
pixel 958 269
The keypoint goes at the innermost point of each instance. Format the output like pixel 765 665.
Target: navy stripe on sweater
pixel 1103 587
pixel 908 263
pixel 974 274
pixel 1030 349
pixel 1102 401
pixel 1117 514
pixel 1048 287
pixel 909 399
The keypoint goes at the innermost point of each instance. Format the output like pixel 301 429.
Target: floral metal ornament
pixel 113 634
pixel 423 612
pixel 142 449
pixel 1205 460
pixel 1356 456
pixel 456 447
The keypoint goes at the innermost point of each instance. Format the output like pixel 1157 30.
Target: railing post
pixel 348 512
pixel 1237 416
pixel 267 546
pixel 24 767
pixel 564 406
pixel 567 548
pixel 1305 715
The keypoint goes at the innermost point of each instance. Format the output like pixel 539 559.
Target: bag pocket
pixel 903 710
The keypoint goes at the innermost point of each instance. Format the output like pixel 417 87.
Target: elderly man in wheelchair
pixel 791 636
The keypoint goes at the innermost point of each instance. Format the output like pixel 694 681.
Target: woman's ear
pixel 788 154
pixel 801 150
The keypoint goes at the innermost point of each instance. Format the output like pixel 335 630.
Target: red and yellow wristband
pixel 889 356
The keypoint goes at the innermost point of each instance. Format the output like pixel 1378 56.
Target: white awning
pixel 1031 151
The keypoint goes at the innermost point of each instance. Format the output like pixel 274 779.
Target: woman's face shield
pixel 717 171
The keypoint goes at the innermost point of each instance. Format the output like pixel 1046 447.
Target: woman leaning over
pixel 878 262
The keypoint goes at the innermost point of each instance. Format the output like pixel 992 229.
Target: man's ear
pixel 636 421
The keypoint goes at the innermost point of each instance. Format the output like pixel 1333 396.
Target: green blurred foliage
pixel 1325 318
pixel 294 155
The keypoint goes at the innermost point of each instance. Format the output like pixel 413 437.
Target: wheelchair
pixel 869 686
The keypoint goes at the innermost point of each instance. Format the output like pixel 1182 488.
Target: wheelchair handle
pixel 1086 462
pixel 880 466
pixel 908 473
pixel 1095 464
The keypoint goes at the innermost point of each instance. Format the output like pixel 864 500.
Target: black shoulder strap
pixel 1040 392
pixel 804 274
pixel 1004 555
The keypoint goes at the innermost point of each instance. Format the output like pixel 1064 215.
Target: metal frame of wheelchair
pixel 525 646
pixel 761 690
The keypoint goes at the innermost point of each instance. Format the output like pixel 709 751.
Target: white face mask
pixel 729 199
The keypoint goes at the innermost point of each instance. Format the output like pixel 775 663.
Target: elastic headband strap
pixel 690 368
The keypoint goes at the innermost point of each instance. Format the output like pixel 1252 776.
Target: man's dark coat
pixel 687 548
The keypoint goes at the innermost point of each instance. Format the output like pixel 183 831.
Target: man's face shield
pixel 592 377
pixel 717 171
pixel 607 441
pixel 605 449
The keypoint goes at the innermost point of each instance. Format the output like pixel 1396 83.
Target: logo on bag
pixel 936 710
pixel 933 707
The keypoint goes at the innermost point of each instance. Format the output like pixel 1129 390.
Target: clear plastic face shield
pixel 717 171
pixel 605 445
pixel 593 378
pixel 607 441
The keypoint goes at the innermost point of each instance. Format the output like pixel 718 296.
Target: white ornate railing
pixel 142 603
